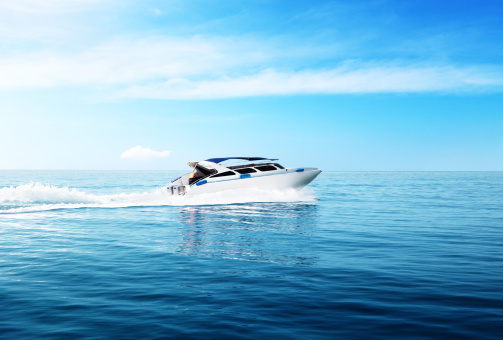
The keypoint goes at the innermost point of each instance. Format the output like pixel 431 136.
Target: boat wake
pixel 34 197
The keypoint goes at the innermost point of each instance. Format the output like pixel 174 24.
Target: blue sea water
pixel 104 254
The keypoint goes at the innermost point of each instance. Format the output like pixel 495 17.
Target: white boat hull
pixel 290 178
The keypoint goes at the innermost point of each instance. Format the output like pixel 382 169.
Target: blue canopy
pixel 219 160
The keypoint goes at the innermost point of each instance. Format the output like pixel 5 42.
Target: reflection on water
pixel 263 232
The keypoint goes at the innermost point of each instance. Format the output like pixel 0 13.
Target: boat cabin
pixel 220 167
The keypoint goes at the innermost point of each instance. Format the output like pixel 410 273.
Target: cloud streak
pixel 47 6
pixel 141 153
pixel 213 68
pixel 343 80
pixel 125 62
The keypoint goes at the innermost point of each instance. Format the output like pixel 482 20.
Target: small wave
pixel 34 197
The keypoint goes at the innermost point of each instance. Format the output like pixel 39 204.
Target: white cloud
pixel 124 62
pixel 46 6
pixel 206 68
pixel 35 24
pixel 141 153
pixel 343 80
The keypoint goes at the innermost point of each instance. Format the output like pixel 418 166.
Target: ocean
pixel 109 254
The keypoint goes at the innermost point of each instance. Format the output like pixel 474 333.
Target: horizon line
pixel 186 170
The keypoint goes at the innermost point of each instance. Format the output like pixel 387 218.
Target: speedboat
pixel 231 173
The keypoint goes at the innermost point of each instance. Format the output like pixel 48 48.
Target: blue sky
pixel 340 85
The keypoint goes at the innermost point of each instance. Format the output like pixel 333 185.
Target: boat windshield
pixel 199 173
pixel 239 163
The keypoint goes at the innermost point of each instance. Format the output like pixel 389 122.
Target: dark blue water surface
pixel 362 255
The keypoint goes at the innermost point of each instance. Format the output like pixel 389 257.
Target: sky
pixel 378 85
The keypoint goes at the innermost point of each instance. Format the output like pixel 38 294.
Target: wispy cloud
pixel 32 24
pixel 206 68
pixel 343 80
pixel 156 11
pixel 141 153
pixel 47 6
pixel 126 62
pixel 54 46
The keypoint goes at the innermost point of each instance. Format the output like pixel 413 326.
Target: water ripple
pixel 363 255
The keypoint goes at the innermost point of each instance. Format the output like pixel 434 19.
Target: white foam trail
pixel 36 192
pixel 39 197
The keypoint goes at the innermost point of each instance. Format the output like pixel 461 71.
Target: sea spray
pixel 40 193
pixel 39 197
